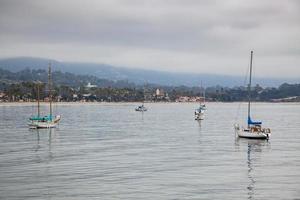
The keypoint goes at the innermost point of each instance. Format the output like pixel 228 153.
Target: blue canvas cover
pixel 45 118
pixel 250 122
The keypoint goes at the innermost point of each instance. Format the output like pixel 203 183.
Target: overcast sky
pixel 200 36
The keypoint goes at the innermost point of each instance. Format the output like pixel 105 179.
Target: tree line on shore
pixel 22 86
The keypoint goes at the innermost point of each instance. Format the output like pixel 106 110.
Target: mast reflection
pixel 254 151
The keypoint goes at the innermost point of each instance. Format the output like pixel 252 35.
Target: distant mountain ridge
pixel 59 78
pixel 137 76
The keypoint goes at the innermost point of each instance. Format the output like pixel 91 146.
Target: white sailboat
pixel 199 112
pixel 48 121
pixel 141 108
pixel 253 130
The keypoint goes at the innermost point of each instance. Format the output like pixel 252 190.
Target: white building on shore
pixel 89 85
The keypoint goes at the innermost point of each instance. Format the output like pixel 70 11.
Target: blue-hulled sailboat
pixel 254 129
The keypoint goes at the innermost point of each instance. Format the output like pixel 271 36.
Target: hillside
pixel 137 76
pixel 59 78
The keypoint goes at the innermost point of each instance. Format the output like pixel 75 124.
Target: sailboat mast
pixel 50 89
pixel 249 86
pixel 143 94
pixel 201 98
pixel 203 93
pixel 38 98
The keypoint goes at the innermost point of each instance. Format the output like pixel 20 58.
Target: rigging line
pixel 32 107
pixel 254 82
pixel 244 84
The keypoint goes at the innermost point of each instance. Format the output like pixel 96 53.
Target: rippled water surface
pixel 109 151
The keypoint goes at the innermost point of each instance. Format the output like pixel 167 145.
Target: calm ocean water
pixel 109 151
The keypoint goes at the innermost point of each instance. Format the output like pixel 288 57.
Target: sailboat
pixel 199 112
pixel 141 108
pixel 254 129
pixel 48 121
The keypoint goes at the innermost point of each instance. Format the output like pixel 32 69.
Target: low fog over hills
pixel 138 76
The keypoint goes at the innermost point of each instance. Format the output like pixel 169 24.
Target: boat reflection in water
pixel 199 124
pixel 254 151
pixel 44 139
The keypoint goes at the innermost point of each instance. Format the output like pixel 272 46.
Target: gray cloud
pixel 173 35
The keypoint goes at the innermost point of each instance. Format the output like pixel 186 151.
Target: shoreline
pixel 123 103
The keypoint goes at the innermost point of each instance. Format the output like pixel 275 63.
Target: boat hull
pixel 141 110
pixel 199 116
pixel 44 124
pixel 262 136
pixel 243 133
pixel 199 113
